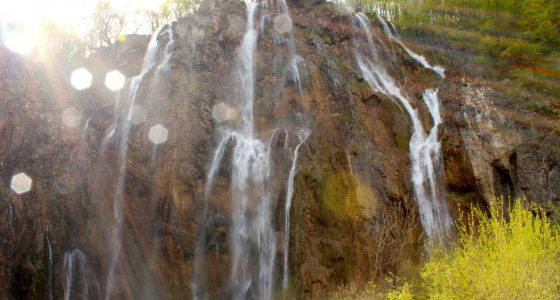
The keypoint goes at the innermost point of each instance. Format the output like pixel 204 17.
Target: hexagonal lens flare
pixel 221 112
pixel 282 23
pixel 21 183
pixel 81 79
pixel 71 117
pixel 158 134
pixel 114 80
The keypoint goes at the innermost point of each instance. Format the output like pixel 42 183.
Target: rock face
pixel 353 215
pixel 493 148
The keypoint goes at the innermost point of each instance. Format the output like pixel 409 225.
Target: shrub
pixel 401 293
pixel 352 292
pixel 372 292
pixel 497 258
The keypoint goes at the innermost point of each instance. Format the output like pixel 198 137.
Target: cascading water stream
pixel 296 69
pixel 49 266
pixel 122 127
pixel 251 228
pixel 393 35
pixel 289 193
pixel 75 269
pixel 424 149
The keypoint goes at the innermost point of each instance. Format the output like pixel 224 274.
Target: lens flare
pixel 81 79
pixel 21 183
pixel 71 117
pixel 158 134
pixel 114 80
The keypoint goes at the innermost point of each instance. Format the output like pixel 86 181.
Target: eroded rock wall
pixel 353 217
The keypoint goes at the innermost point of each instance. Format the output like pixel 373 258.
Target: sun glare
pixel 19 41
pixel 22 22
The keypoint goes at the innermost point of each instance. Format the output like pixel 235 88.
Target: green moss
pixel 401 140
pixel 189 85
pixel 338 197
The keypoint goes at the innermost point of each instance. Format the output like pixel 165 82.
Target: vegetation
pixel 176 9
pixel 536 20
pixel 107 25
pixel 491 39
pixel 372 292
pixel 499 258
pixel 509 253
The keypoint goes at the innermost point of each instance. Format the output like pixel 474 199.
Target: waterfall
pixel 121 127
pixel 393 35
pixel 75 270
pixel 250 173
pixel 425 153
pixel 49 266
pixel 252 234
pixel 289 193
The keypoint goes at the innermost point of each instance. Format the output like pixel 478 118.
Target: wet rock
pixel 353 216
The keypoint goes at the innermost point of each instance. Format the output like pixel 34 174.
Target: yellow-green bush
pixel 508 254
pixel 401 293
pixel 498 259
pixel 352 292
pixel 372 292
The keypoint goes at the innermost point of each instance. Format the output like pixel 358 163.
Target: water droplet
pixel 114 80
pixel 81 79
pixel 158 134
pixel 21 183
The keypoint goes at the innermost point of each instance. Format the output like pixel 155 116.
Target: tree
pixel 154 18
pixel 59 44
pixel 176 9
pixel 107 25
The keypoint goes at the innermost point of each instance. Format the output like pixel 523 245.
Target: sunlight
pixel 23 22
pixel 19 42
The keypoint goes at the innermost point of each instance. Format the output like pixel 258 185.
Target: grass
pixel 488 45
pixel 522 66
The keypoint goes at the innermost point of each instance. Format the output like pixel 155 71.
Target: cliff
pixel 111 213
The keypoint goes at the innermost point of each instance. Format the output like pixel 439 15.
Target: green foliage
pixel 504 38
pixel 373 292
pixel 498 258
pixel 401 293
pixel 352 292
pixel 176 9
pixel 507 254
